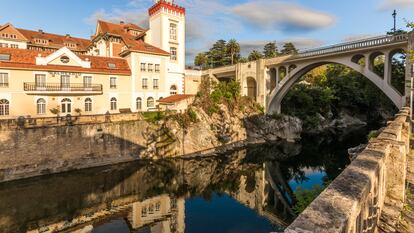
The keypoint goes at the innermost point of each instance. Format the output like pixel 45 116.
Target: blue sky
pixel 308 23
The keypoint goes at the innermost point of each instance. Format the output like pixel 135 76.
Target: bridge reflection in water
pixel 152 196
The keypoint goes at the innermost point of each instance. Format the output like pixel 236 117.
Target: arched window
pixel 41 106
pixel 113 103
pixel 150 102
pixel 173 90
pixel 88 105
pixel 4 107
pixel 66 105
pixel 139 104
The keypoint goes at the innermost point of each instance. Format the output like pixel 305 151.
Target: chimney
pixel 121 22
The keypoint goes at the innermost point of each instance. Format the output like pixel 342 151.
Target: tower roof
pixel 168 5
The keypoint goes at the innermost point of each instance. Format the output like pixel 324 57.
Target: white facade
pixel 167 31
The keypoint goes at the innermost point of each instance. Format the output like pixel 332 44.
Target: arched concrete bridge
pixel 269 80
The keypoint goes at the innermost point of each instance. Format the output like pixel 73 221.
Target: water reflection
pixel 170 195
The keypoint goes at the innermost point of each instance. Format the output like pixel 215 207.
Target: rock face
pixel 269 128
pixel 222 129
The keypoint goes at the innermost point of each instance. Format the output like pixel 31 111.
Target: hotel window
pixel 113 104
pixel 173 31
pixel 143 66
pixel 158 206
pixel 41 106
pixel 173 53
pixel 144 83
pixel 87 81
pixel 4 45
pixel 14 46
pixel 157 68
pixel 150 102
pixel 4 107
pixel 144 212
pixel 88 105
pixel 66 106
pixel 112 83
pixel 151 209
pixel 173 90
pixel 150 67
pixel 40 80
pixel 139 104
pixel 4 80
pixel 155 84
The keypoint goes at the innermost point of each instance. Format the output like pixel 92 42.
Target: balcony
pixel 63 89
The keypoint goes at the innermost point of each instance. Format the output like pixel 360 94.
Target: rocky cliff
pixel 180 135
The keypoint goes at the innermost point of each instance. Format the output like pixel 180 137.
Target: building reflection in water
pixel 150 196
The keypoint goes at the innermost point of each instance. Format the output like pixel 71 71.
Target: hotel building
pixel 122 68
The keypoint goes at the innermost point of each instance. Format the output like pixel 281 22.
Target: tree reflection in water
pixel 154 195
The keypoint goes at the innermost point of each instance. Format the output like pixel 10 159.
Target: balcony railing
pixel 58 87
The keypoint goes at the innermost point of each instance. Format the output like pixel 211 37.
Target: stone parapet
pixel 374 181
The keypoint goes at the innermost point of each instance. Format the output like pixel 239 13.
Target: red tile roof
pixel 175 98
pixel 26 59
pixel 55 41
pixel 134 43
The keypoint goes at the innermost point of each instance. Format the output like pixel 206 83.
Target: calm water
pixel 250 190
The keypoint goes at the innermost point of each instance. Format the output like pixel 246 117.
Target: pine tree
pixel 270 50
pixel 289 49
pixel 218 53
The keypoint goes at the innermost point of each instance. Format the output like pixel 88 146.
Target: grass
pixel 153 117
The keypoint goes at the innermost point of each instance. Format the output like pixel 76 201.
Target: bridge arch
pixel 277 95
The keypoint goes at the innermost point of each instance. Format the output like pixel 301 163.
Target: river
pixel 255 189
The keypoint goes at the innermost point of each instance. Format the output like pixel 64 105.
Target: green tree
pixel 270 50
pixel 289 49
pixel 255 55
pixel 233 51
pixel 218 53
pixel 202 60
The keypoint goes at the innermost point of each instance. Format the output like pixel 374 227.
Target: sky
pixel 306 23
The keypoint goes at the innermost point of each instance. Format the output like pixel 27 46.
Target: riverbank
pixel 34 151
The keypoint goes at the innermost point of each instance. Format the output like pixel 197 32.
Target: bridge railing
pixel 364 43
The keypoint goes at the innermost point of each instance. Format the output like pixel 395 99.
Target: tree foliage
pixel 289 49
pixel 331 89
pixel 255 55
pixel 270 50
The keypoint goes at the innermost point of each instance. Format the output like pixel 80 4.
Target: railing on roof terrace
pixel 364 43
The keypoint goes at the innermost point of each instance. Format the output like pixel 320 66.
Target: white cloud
pixel 389 4
pixel 276 14
pixel 209 20
pixel 358 37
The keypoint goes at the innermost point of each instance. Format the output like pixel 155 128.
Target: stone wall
pixel 371 186
pixel 30 152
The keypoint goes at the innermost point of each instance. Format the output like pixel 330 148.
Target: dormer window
pixel 111 66
pixel 134 33
pixel 4 57
pixel 70 45
pixel 9 36
pixel 116 40
pixel 41 41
